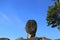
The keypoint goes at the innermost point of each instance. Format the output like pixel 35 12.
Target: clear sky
pixel 15 13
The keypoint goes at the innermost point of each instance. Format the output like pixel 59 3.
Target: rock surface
pixel 4 39
pixel 41 38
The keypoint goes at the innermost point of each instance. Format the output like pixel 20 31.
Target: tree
pixel 53 15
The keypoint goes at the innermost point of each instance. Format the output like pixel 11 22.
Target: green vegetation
pixel 53 15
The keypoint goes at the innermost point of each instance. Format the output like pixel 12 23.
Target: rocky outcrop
pixel 41 38
pixel 4 39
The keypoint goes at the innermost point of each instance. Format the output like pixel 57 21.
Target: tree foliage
pixel 53 15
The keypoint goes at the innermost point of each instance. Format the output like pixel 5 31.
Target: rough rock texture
pixel 41 38
pixel 33 38
pixel 4 39
pixel 31 28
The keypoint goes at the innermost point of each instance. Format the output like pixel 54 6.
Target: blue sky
pixel 15 13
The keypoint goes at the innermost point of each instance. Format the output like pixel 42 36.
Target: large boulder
pixel 4 39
